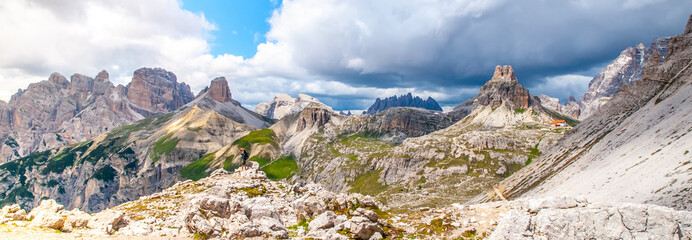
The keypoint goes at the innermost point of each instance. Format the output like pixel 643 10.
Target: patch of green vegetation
pixel 254 191
pixel 262 161
pixel 421 180
pixel 198 169
pixel 353 157
pixel 534 153
pixel 132 166
pixel 302 223
pixel 58 163
pixel 318 138
pixel 264 136
pixel 127 153
pixel 163 146
pixel 437 226
pixel 61 190
pixel 21 192
pixel 106 174
pixel 346 232
pixel 519 110
pixel 283 167
pixel 19 166
pixel 229 165
pixel 52 183
pixel 367 183
pixel 11 142
pixel 200 236
pixel 194 129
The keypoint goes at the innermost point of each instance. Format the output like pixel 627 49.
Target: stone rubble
pixel 245 204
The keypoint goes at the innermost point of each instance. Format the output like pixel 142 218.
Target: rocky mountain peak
pixel 503 88
pixel 219 91
pixel 627 68
pixel 407 100
pixel 59 80
pixel 157 90
pixel 102 76
pixel 504 74
pixel 81 83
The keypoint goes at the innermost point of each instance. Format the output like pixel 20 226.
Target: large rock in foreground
pixel 570 218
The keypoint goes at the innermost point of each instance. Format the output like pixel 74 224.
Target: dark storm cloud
pixel 428 45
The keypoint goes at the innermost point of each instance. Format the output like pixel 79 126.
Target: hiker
pixel 244 156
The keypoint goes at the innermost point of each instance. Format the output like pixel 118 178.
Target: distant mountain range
pixel 57 112
pixel 283 105
pixel 403 101
pixel 626 69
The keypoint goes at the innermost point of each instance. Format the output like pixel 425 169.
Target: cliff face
pixel 625 69
pixel 313 116
pixel 403 101
pixel 157 91
pixel 58 112
pixel 219 91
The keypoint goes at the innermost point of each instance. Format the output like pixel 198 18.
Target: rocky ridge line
pixel 403 101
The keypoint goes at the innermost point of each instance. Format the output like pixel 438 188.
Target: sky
pixel 346 53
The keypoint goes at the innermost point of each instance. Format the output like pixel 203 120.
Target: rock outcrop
pixel 399 123
pixel 504 88
pixel 627 68
pixel 219 91
pixel 284 105
pixel 403 101
pixel 569 218
pixel 58 112
pixel 313 116
pixel 156 90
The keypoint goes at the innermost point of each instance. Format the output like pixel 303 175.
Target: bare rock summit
pixel 219 90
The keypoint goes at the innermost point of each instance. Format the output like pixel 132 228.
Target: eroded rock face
pixel 313 115
pixel 504 88
pixel 157 90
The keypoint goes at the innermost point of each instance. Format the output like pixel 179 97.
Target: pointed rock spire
pixel 504 88
pixel 504 74
pixel 219 90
